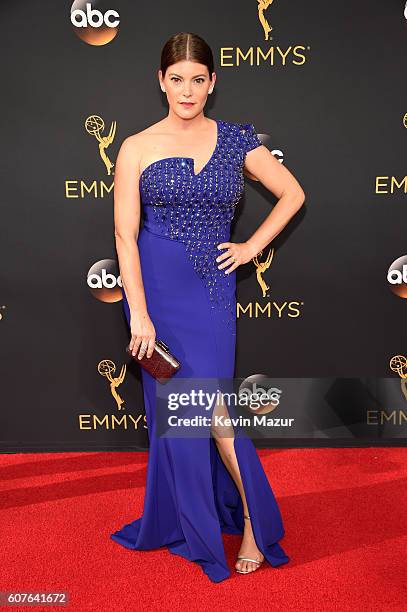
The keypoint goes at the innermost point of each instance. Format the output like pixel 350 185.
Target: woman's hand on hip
pixel 236 254
pixel 142 335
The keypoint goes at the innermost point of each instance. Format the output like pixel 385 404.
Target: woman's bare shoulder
pixel 138 138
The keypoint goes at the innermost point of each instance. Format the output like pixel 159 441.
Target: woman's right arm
pixel 126 230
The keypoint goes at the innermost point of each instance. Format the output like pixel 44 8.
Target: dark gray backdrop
pixel 337 119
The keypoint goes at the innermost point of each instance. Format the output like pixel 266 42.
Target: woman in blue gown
pixel 197 487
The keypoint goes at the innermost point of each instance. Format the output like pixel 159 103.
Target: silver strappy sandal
pixel 246 516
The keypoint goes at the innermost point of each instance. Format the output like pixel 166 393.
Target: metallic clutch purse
pixel 161 365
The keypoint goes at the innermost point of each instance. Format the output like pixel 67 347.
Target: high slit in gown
pixel 190 496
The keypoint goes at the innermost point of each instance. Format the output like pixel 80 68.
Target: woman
pixel 185 173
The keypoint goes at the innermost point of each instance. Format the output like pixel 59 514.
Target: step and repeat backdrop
pixel 321 313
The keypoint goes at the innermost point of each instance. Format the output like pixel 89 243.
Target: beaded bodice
pixel 197 209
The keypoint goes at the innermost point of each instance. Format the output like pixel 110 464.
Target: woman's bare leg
pixel 224 436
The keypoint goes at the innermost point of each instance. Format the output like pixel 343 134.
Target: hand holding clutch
pixel 161 365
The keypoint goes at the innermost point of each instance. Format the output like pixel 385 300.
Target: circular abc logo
pixel 397 276
pixel 96 23
pixel 260 394
pixel 104 281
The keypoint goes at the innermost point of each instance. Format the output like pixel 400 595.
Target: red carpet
pixel 344 511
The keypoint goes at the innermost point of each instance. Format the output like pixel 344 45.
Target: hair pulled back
pixel 186 46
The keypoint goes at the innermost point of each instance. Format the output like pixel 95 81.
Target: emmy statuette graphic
pixel 262 6
pixel 261 267
pixel 94 125
pixel 398 364
pixel 106 367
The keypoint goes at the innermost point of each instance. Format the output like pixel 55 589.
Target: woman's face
pixel 187 81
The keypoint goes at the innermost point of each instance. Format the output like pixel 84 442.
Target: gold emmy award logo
pixel 94 125
pixel 398 364
pixel 265 52
pixel 261 267
pixel 106 368
pixel 262 6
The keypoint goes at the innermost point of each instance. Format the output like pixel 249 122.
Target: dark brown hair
pixel 186 46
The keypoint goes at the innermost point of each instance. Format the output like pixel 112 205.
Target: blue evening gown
pixel 190 496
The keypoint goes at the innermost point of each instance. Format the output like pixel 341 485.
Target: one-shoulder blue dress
pixel 190 496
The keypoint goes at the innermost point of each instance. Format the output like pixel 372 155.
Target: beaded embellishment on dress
pixel 197 209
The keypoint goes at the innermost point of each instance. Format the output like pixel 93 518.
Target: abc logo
pixel 92 24
pixel 260 394
pixel 397 276
pixel 104 281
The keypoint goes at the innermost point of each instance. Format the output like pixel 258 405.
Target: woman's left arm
pixel 261 165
